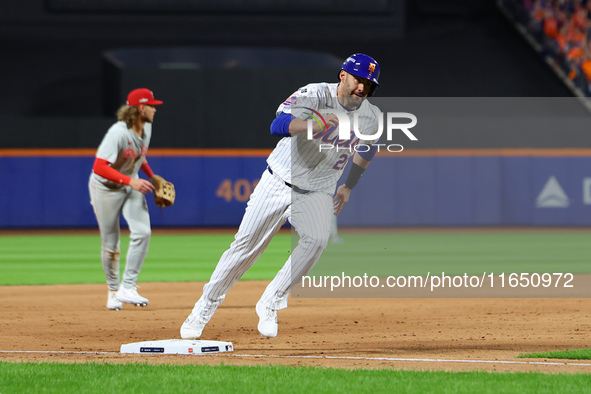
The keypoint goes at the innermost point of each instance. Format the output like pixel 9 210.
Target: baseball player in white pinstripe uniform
pixel 298 185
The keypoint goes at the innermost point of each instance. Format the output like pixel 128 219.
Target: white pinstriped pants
pixel 270 205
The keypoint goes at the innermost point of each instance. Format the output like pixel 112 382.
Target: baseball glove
pixel 164 194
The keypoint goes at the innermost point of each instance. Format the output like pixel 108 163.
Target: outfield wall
pixel 515 187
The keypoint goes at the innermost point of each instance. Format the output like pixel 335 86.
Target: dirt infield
pixel 71 324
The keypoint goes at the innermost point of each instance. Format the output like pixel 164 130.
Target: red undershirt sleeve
pixel 147 170
pixel 101 167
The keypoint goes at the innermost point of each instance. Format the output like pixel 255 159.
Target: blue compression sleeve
pixel 280 126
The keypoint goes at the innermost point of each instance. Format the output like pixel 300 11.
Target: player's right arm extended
pixel 286 125
pixel 101 167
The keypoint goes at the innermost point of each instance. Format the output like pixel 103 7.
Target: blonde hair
pixel 129 114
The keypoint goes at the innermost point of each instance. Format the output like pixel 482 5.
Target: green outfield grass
pixel 143 378
pixel 384 254
pixel 67 259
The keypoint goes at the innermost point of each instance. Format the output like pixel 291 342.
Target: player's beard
pixel 350 101
pixel 353 101
pixel 147 119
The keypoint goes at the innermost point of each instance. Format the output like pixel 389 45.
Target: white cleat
pixel 200 315
pixel 131 296
pixel 112 302
pixel 267 320
pixel 193 327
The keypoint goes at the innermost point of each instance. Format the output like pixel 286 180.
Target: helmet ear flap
pixel 372 90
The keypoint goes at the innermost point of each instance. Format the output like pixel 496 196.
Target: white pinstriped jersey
pixel 124 149
pixel 300 161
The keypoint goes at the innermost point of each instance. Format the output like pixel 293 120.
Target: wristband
pixel 354 174
pixel 280 126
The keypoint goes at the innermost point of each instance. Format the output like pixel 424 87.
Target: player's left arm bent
pixel 341 197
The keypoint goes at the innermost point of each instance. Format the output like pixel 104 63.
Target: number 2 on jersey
pixel 341 162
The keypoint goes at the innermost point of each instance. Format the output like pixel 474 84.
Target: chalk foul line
pixel 358 358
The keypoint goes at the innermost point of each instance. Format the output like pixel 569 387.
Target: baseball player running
pixel 298 185
pixel 115 189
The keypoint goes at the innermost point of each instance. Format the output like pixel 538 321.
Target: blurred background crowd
pixel 562 29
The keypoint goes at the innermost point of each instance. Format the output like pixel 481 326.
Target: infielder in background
pixel 298 184
pixel 116 189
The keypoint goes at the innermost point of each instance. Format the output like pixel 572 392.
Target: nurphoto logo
pixel 349 137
